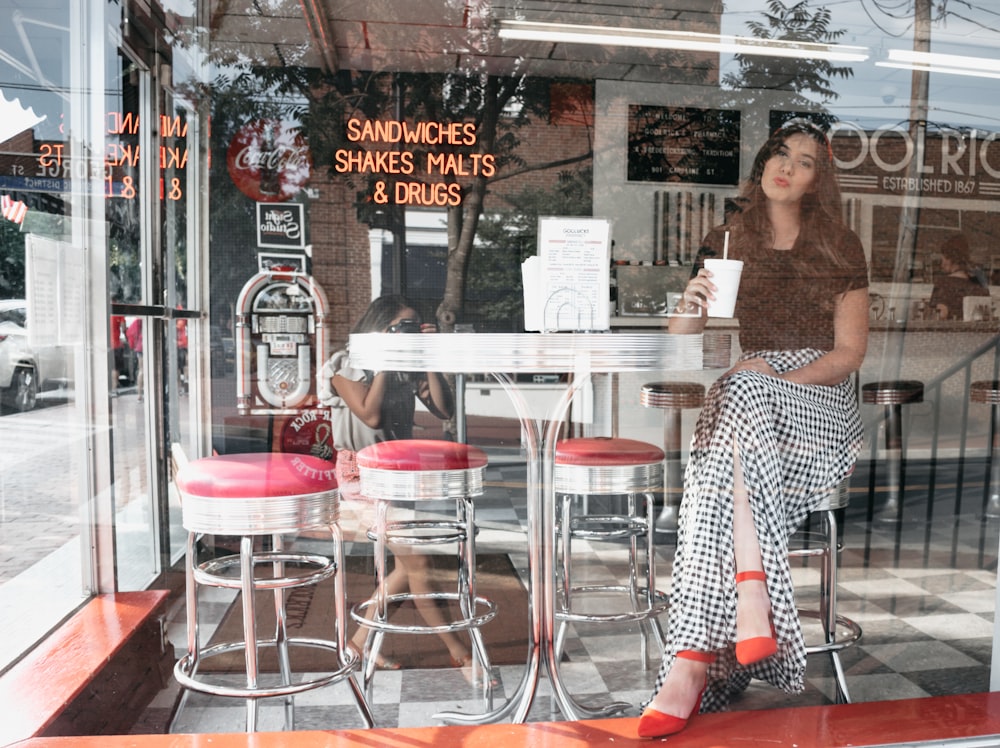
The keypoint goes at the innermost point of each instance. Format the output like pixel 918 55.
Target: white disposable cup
pixel 726 277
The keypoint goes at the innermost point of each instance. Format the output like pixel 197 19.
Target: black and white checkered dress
pixel 795 442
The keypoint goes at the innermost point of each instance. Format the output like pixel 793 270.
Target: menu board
pixel 575 255
pixel 689 145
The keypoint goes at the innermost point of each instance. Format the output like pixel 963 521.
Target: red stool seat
pixel 258 493
pixel 421 454
pixel 263 474
pixel 606 451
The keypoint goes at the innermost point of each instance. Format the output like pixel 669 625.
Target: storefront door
pixel 154 281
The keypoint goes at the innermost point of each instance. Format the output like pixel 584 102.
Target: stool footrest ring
pixel 621 526
pixel 804 544
pixel 658 604
pixel 810 552
pixel 407 533
pixel 474 620
pixel 186 670
pixel 214 572
pixel 848 632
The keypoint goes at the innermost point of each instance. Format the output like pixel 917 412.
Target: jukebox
pixel 281 342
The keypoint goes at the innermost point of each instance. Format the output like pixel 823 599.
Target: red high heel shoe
pixel 757 648
pixel 654 724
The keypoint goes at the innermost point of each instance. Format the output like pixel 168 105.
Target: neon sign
pixel 121 159
pixel 396 163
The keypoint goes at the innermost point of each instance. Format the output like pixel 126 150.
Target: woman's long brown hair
pixel 751 226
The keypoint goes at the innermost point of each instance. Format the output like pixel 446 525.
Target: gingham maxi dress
pixel 795 441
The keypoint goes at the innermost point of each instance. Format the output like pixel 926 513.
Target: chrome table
pixel 503 355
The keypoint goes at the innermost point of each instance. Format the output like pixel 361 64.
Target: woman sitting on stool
pixel 776 430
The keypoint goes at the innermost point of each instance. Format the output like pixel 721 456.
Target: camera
pixel 405 325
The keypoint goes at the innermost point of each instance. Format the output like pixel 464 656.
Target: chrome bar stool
pixel 602 466
pixel 673 397
pixel 893 394
pixel 839 632
pixel 252 495
pixel 415 472
pixel 989 392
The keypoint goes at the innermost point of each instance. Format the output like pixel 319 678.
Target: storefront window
pixel 82 172
pixel 55 333
pixel 436 140
pixel 414 148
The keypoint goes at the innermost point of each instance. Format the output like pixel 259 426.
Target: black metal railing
pixel 921 515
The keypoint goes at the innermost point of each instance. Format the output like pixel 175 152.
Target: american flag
pixel 13 210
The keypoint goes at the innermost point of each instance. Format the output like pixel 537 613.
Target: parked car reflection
pixel 25 371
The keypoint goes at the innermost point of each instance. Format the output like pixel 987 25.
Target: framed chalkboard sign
pixel 685 145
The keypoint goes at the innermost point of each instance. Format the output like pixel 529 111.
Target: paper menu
pixel 54 291
pixel 570 279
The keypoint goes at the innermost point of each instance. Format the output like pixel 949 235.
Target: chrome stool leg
pixel 829 604
pixel 281 634
pixel 839 631
pixel 673 398
pixel 893 395
pixel 249 628
pixel 673 480
pixel 651 624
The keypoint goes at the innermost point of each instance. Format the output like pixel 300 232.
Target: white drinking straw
pixel 725 247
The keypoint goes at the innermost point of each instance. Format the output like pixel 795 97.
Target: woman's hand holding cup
pixel 698 293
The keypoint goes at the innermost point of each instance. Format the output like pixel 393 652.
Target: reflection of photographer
pixel 957 281
pixel 371 407
pixel 410 326
pixel 375 406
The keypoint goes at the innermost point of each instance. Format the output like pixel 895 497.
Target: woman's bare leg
pixel 681 688
pixel 753 607
pixel 416 567
pixel 395 583
pixel 409 573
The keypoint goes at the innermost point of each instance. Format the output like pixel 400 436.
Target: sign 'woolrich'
pixel 949 162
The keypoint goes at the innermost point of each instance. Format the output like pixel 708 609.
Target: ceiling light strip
pixel 677 40
pixel 954 62
pixel 940 69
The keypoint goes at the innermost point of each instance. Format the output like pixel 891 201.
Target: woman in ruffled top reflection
pixel 370 407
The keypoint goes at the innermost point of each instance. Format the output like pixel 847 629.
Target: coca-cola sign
pixel 268 161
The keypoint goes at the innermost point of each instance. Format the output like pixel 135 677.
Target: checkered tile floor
pixel 923 592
